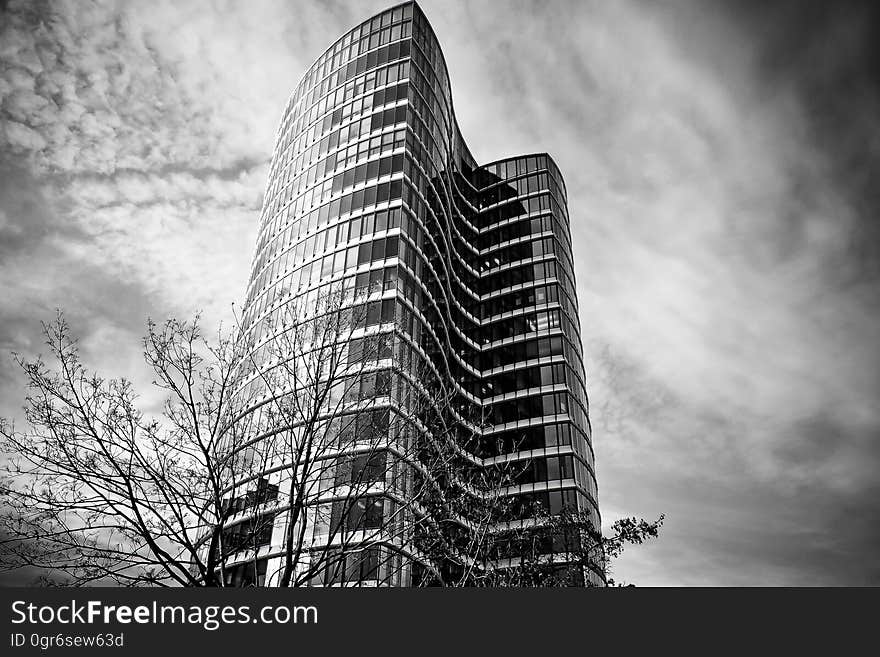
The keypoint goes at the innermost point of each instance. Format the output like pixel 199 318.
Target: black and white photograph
pixel 444 294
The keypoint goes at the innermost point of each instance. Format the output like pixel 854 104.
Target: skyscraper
pixel 467 269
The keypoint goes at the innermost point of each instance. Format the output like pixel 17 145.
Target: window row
pixel 529 505
pixel 353 287
pixel 366 172
pixel 359 469
pixel 289 184
pixel 264 492
pixel 516 252
pixel 527 438
pixel 518 208
pixel 521 351
pixel 354 109
pixel 303 145
pixel 365 426
pixel 371 60
pixel 517 276
pixel 333 263
pixel 350 568
pixel 371 34
pixel 521 187
pixel 369 348
pixel 515 300
pixel 249 573
pixel 492 173
pixel 545 320
pixel 343 114
pixel 521 379
pixel 550 468
pixel 252 533
pixel 366 315
pixel 358 514
pixel 354 228
pixel 522 228
pixel 524 408
pixel 297 204
pixel 289 162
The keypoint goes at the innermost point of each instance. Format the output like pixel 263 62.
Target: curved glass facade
pixel 467 267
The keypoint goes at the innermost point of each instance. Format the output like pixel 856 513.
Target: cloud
pixel 720 162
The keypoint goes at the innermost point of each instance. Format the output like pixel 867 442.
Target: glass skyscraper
pixel 466 268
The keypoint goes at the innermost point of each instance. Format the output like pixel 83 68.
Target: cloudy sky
pixel 719 160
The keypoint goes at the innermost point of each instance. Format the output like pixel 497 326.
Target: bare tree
pixel 286 440
pixel 96 492
pixel 368 458
pixel 277 442
pixel 323 428
pixel 559 549
pixel 483 534
pixel 479 530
